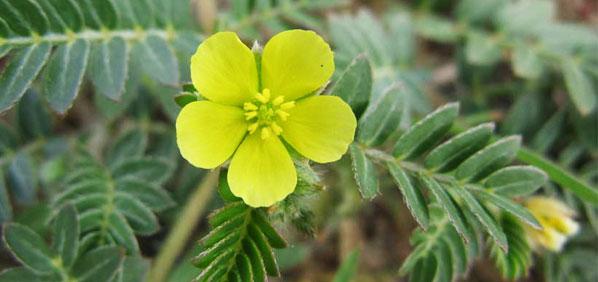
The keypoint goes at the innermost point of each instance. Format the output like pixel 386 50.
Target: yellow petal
pixel 208 133
pixel 223 70
pixel 296 63
pixel 320 128
pixel 261 171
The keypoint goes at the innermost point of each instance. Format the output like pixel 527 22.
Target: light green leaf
pixel 382 117
pixel 108 66
pixel 579 85
pixel 29 248
pixel 489 159
pixel 413 197
pixel 348 268
pixel 157 60
pixel 487 220
pixel 514 181
pixel 64 74
pixel 448 205
pixel 508 206
pixel 66 235
pixel 149 194
pixel 452 152
pixel 100 264
pixel 149 169
pixel 130 144
pixel 426 132
pixel 482 49
pixel 20 72
pixel 437 29
pixel 355 84
pixel 364 172
pixel 139 216
pixel 526 62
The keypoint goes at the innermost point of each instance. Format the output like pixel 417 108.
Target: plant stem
pixel 179 235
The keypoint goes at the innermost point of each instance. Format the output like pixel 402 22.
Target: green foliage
pixel 63 260
pixel 117 199
pixel 239 246
pixel 98 38
pixel 514 264
pixel 348 268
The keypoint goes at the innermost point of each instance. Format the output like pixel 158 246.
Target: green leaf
pixel 266 253
pixel 448 205
pixel 29 248
pixel 64 74
pixel 5 205
pixel 63 15
pixel 135 269
pixel 157 60
pixel 149 194
pixel 99 14
pixel 382 117
pixel 489 223
pixel 526 62
pixel 24 16
pixel 122 233
pixel 275 240
pixel 426 132
pixel 355 84
pixel 452 152
pixel 413 197
pixel 437 29
pixel 185 98
pixel 515 263
pixel 348 268
pixel 20 274
pixel 224 188
pixel 579 86
pixel 488 159
pixel 516 181
pixel 100 264
pixel 509 206
pixel 560 175
pixel 130 144
pixel 66 235
pixel 147 168
pixel 20 72
pixel 364 172
pixel 139 216
pixel 22 178
pixel 257 263
pixel 33 119
pixel 108 66
pixel 482 49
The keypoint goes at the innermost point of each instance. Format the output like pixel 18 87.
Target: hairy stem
pixel 179 235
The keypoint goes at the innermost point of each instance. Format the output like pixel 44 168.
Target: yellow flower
pixel 556 220
pixel 256 105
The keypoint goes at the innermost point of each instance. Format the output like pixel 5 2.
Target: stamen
pixel 249 107
pixel 250 115
pixel 277 129
pixel 282 114
pixel 266 93
pixel 261 98
pixel 266 132
pixel 288 105
pixel 278 100
pixel 251 128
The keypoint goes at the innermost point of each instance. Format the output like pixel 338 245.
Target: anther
pixel 282 114
pixel 250 115
pixel 249 107
pixel 288 105
pixel 275 128
pixel 266 132
pixel 278 100
pixel 253 127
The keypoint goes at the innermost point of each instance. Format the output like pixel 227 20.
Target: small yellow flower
pixel 254 103
pixel 556 220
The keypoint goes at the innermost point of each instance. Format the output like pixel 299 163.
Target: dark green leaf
pixel 24 16
pixel 426 132
pixel 63 15
pixel 20 72
pixel 66 235
pixel 348 268
pixel 99 13
pixel 275 240
pixel 147 168
pixel 185 98
pixel 64 74
pixel 489 159
pixel 29 248
pixel 364 172
pixel 355 84
pixel 139 216
pixel 149 194
pixel 22 178
pixel 382 117
pixel 130 144
pixel 100 264
pixel 413 197
pixel 448 205
pixel 157 60
pixel 516 181
pixel 20 274
pixel 108 65
pixel 509 206
pixel 5 205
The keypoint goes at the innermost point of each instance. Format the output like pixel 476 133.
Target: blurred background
pixel 530 66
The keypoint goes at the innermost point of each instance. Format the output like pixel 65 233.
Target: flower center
pixel 265 113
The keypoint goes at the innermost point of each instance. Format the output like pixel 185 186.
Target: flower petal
pixel 320 128
pixel 296 63
pixel 261 171
pixel 223 70
pixel 208 133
